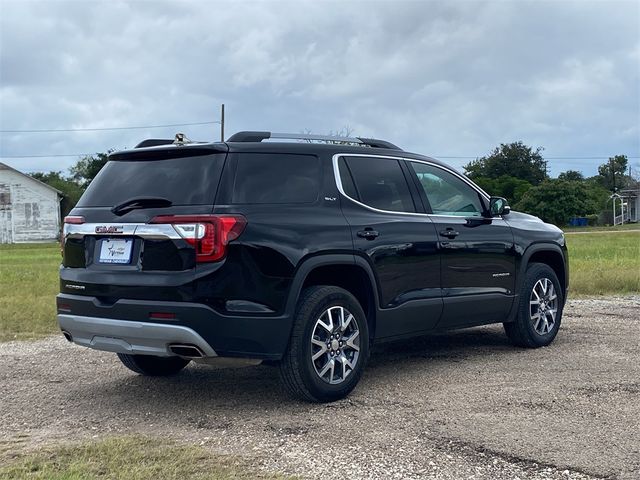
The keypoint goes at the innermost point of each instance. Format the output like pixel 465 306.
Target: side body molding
pixel 406 320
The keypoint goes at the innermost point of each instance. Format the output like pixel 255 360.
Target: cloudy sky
pixel 446 79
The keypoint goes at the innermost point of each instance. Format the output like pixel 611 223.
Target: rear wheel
pixel 540 309
pixel 151 365
pixel 329 345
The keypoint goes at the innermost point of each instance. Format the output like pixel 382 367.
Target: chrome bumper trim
pixel 126 336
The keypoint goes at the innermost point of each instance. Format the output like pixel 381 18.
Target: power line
pixel 107 128
pixel 48 156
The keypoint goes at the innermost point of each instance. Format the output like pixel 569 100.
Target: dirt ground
pixel 455 405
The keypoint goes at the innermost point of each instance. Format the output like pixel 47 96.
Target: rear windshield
pixel 183 181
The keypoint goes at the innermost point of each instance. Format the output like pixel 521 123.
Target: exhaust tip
pixel 67 335
pixel 187 351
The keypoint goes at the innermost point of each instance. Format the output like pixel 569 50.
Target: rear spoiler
pixel 158 149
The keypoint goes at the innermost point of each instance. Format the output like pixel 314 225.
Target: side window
pixel 276 178
pixel 447 194
pixel 380 183
pixel 347 180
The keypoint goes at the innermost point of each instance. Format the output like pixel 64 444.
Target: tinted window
pixel 381 183
pixel 183 181
pixel 447 194
pixel 276 178
pixel 347 180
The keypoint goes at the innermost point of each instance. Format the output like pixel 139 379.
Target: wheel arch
pixel 341 270
pixel 549 254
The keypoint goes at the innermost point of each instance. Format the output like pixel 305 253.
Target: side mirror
pixel 498 206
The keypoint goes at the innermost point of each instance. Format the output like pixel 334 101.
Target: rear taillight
pixel 208 234
pixel 69 220
pixel 74 219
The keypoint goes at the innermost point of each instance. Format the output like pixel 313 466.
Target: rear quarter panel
pixel 262 262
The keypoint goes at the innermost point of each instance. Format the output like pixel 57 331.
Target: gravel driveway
pixel 454 405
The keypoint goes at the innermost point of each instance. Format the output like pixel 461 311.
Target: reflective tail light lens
pixel 208 234
pixel 69 220
pixel 74 219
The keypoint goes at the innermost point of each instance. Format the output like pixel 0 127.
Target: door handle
pixel 449 233
pixel 368 234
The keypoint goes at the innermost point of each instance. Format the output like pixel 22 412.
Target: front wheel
pixel 329 345
pixel 540 309
pixel 153 366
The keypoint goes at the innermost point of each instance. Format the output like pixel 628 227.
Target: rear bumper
pixel 126 327
pixel 126 336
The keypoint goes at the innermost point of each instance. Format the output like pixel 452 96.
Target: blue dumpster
pixel 578 221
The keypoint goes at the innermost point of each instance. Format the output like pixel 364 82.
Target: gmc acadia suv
pixel 299 253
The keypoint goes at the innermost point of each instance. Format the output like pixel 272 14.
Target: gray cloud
pixel 440 78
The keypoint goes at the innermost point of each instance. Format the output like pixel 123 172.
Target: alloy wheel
pixel 335 345
pixel 543 306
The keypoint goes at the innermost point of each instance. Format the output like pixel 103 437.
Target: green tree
pixel 597 197
pixel 506 186
pixel 556 201
pixel 87 168
pixel 71 191
pixel 613 174
pixel 512 159
pixel 571 176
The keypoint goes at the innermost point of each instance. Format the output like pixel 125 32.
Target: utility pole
pixel 613 174
pixel 222 123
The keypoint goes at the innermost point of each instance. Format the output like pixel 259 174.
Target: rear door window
pixel 276 178
pixel 182 181
pixel 380 183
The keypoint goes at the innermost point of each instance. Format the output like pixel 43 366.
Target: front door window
pixel 446 193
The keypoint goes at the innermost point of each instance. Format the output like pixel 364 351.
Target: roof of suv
pixel 252 142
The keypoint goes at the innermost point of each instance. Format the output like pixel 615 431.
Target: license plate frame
pixel 115 251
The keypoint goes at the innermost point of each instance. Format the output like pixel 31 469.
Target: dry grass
pixel 131 458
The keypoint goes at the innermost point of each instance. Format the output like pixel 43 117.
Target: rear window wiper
pixel 140 202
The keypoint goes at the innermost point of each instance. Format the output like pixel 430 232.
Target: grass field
pixel 604 264
pixel 28 285
pixel 617 228
pixel 131 458
pixel 601 264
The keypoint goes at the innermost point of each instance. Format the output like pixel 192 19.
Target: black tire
pixel 298 371
pixel 522 332
pixel 153 366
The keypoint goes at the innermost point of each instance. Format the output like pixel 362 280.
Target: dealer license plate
pixel 115 250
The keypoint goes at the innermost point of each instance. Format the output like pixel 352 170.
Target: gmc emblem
pixel 110 229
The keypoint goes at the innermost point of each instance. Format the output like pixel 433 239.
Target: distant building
pixel 631 205
pixel 29 209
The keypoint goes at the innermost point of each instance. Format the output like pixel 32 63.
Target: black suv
pixel 301 253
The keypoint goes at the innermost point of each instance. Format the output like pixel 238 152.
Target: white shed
pixel 631 204
pixel 29 209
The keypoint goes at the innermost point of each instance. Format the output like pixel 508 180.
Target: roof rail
pixel 376 143
pixel 249 136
